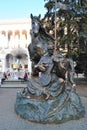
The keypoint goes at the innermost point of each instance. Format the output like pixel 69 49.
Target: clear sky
pixel 12 9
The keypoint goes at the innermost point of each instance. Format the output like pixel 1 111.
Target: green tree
pixel 71 23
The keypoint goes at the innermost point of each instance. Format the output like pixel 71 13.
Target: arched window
pixel 24 34
pixel 17 34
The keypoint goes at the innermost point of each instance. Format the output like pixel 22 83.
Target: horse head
pixel 35 24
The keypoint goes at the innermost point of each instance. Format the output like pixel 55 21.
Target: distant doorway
pixel 17 59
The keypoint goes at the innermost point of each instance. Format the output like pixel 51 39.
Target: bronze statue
pixel 40 41
pixel 50 97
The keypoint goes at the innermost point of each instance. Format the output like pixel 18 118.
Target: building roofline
pixel 13 21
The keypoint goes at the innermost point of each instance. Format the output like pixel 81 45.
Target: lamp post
pixel 55 42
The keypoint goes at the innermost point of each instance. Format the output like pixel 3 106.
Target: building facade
pixel 14 40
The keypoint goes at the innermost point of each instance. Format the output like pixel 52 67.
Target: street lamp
pixel 55 7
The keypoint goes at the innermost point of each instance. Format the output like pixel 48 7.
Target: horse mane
pixel 44 34
pixel 42 31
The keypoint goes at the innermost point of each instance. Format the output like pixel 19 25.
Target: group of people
pixel 5 75
pixel 25 77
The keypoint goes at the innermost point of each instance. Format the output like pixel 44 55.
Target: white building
pixel 14 40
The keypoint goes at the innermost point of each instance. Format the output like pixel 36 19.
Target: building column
pixel 6 44
pixel 3 64
pixel 20 44
pixel 28 38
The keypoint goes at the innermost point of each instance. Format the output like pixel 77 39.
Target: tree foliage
pixel 71 27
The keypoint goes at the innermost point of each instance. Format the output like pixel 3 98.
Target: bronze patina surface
pixel 49 97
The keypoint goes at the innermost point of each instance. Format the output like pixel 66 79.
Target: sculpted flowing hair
pixel 42 31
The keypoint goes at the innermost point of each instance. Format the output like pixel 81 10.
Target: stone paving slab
pixel 9 120
pixel 82 90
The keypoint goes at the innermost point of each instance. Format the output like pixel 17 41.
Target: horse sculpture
pixel 40 40
pixel 46 99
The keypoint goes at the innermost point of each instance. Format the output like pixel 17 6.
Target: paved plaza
pixel 9 120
